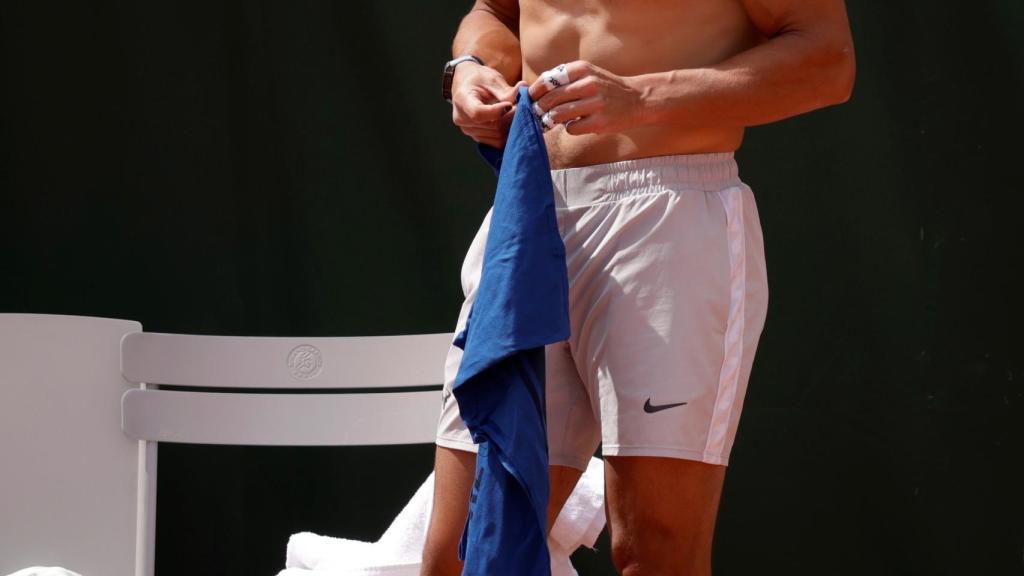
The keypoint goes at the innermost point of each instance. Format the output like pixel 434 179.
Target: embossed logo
pixel 305 362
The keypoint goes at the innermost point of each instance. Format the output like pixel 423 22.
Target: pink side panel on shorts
pixel 747 306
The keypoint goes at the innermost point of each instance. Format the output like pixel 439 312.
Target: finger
pixel 587 125
pixel 581 89
pixel 480 113
pixel 574 109
pixel 506 120
pixel 492 141
pixel 497 87
pixel 560 75
pixel 503 122
pixel 486 82
pixel 478 131
pixel 482 133
pixel 501 125
pixel 473 111
pixel 555 77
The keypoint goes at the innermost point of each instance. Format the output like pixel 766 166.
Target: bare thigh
pixel 454 471
pixel 661 514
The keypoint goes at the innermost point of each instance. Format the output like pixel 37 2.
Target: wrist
pixel 463 70
pixel 663 96
pixel 448 75
pixel 647 87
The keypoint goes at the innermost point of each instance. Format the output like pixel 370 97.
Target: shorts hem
pixel 665 452
pixel 570 461
pixel 453 444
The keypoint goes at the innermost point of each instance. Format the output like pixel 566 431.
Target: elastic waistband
pixel 616 180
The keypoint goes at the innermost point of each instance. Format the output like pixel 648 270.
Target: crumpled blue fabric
pixel 522 304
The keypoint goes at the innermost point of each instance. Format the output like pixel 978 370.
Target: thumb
pixel 509 95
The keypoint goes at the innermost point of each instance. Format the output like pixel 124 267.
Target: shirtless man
pixel 667 284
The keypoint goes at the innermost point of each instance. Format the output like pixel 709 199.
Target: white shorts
pixel 667 299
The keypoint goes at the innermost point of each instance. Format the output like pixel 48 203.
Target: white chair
pixel 78 439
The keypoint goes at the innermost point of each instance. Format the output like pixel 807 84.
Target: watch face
pixel 449 74
pixel 446 82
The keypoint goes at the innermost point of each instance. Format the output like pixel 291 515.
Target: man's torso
pixel 630 38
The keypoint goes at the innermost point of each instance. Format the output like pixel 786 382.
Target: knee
pixel 625 557
pixel 634 550
pixel 658 551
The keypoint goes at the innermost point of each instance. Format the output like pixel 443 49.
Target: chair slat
pixel 285 362
pixel 280 419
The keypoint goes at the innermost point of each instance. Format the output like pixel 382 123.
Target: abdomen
pixel 630 38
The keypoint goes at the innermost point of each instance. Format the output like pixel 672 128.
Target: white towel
pixel 44 571
pixel 399 550
pixel 582 517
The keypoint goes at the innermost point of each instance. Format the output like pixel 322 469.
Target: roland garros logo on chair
pixel 305 362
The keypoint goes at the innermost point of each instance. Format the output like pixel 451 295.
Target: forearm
pixel 491 35
pixel 787 75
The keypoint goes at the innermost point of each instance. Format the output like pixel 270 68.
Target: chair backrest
pixel 355 390
pixel 68 491
pixel 58 374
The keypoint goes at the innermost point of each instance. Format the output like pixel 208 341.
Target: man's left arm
pixel 806 63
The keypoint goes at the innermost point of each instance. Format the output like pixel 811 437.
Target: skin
pixel 647 79
pixel 454 471
pixel 658 78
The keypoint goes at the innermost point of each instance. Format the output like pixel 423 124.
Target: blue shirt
pixel 522 304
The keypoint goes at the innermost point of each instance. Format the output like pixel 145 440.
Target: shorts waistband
pixel 615 180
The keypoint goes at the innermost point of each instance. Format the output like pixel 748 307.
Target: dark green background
pixel 287 168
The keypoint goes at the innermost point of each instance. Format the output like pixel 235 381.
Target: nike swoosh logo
pixel 652 408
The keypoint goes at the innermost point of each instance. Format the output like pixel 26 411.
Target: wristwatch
pixel 449 73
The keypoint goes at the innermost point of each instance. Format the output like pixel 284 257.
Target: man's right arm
pixel 482 96
pixel 491 32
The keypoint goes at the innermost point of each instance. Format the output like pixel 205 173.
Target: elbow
pixel 841 73
pixel 827 69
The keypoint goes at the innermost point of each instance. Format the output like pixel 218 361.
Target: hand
pixel 483 103
pixel 595 101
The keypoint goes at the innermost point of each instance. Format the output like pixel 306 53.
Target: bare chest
pixel 631 37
